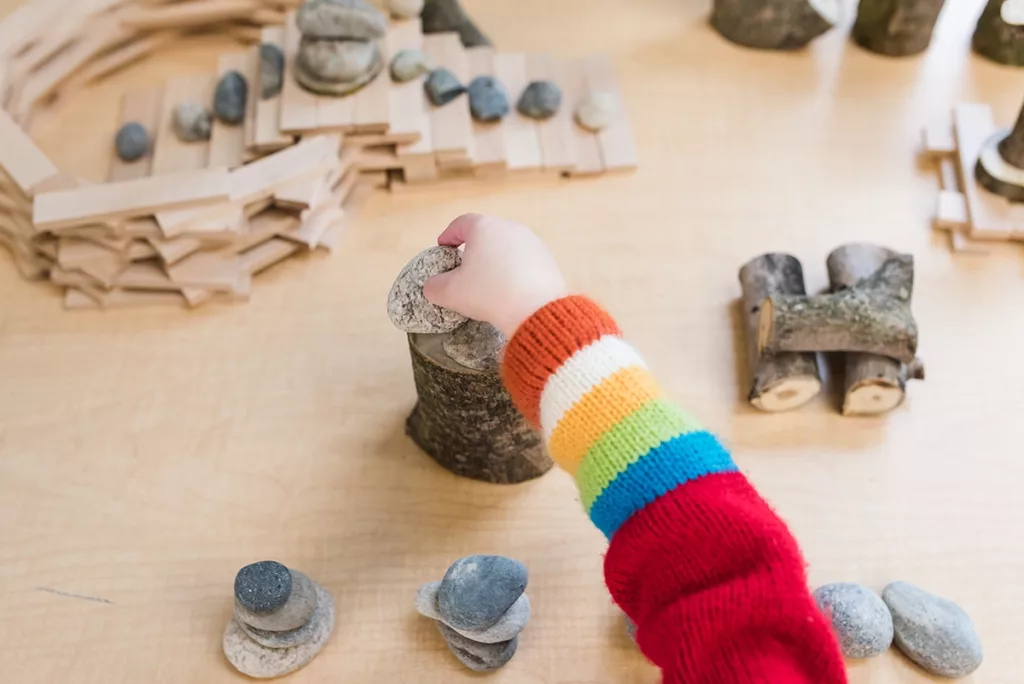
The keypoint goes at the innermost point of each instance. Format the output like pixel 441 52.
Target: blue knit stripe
pixel 681 459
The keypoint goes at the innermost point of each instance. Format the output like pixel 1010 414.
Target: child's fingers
pixel 442 290
pixel 460 231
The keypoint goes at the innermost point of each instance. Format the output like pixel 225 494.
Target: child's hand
pixel 506 274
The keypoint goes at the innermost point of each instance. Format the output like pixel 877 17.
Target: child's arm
pixel 707 571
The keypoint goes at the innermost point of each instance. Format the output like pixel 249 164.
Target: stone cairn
pixel 340 49
pixel 480 607
pixel 282 620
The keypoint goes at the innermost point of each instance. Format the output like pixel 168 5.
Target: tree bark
pixel 774 24
pixel 999 167
pixel 1011 149
pixel 779 382
pixel 996 39
pixel 442 16
pixel 872 384
pixel 896 27
pixel 874 317
pixel 465 419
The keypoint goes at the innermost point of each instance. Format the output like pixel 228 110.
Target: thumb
pixel 442 290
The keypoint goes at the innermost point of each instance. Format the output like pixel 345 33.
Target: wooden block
pixel 314 225
pixel 173 251
pixel 266 255
pixel 146 276
pixel 452 124
pixel 298 105
pixel 263 227
pixel 991 216
pixel 135 197
pixel 252 74
pixel 227 142
pixel 244 33
pixel 308 193
pixel 210 270
pixel 948 178
pixel 409 113
pixel 196 13
pixel 144 106
pixel 267 134
pixel 98 262
pixel 618 150
pixel 522 137
pixel 951 211
pixel 125 55
pixel 68 278
pixel 373 102
pixel 378 160
pixel 75 298
pixel 557 141
pixel 223 218
pixel 489 138
pixel 263 177
pixel 20 158
pixel 171 154
pixel 939 139
pixel 589 159
pixel 356 140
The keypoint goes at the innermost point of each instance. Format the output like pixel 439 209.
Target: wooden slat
pixel 144 106
pixel 452 124
pixel 489 138
pixel 557 141
pixel 314 226
pixel 373 102
pixel 130 198
pixel 197 13
pixel 588 149
pixel 951 210
pixel 298 105
pixel 408 107
pixel 618 150
pixel 128 54
pixel 939 139
pixel 522 138
pixel 75 298
pixel 266 255
pixel 991 216
pixel 21 158
pixel 252 72
pixel 171 154
pixel 948 178
pixel 267 134
pixel 227 142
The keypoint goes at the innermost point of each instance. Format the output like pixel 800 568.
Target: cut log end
pixel 896 28
pixel 995 173
pixel 873 397
pixel 786 394
pixel 774 24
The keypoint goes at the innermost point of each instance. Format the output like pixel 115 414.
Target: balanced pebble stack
pixel 340 51
pixel 282 620
pixel 480 607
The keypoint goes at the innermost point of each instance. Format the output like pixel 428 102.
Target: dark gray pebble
pixel 263 587
pixel 132 141
pixel 859 618
pixel 442 87
pixel 487 99
pixel 271 70
pixel 540 100
pixel 477 590
pixel 476 656
pixel 230 97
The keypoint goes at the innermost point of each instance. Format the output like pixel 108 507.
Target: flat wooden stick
pixel 589 160
pixel 170 153
pixel 21 158
pixel 618 150
pixel 298 105
pixel 268 133
pixel 198 13
pixel 522 138
pixel 227 142
pixel 143 106
pixel 452 123
pixel 489 137
pixel 557 142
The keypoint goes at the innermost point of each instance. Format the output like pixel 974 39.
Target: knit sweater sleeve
pixel 708 572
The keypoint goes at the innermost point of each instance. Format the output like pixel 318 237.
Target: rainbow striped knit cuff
pixel 604 418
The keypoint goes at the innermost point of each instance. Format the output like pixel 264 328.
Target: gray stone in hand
pixel 409 64
pixel 132 141
pixel 408 309
pixel 263 587
pixel 295 612
pixel 442 87
pixel 337 60
pixel 506 628
pixel 859 617
pixel 540 100
pixel 476 345
pixel 932 631
pixel 192 122
pixel 476 656
pixel 487 99
pixel 477 590
pixel 230 97
pixel 354 19
pixel 271 71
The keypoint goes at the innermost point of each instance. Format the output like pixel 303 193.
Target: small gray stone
pixel 408 309
pixel 487 99
pixel 132 141
pixel 476 656
pixel 934 632
pixel 405 9
pixel 263 587
pixel 341 19
pixel 192 121
pixel 540 100
pixel 859 618
pixel 271 71
pixel 630 628
pixel 295 612
pixel 506 628
pixel 409 64
pixel 337 88
pixel 476 345
pixel 595 111
pixel 337 60
pixel 230 97
pixel 477 590
pixel 442 87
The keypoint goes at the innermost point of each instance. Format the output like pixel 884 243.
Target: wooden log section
pixel 774 24
pixel 872 384
pixel 784 381
pixel 896 27
pixel 873 317
pixel 999 35
pixel 1000 167
pixel 465 419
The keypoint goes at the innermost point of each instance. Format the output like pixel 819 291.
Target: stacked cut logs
pixel 865 316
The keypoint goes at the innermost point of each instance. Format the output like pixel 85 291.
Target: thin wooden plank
pixel 557 142
pixel 522 138
pixel 143 106
pixel 951 210
pixel 408 107
pixel 197 13
pixel 939 139
pixel 267 134
pixel 314 226
pixel 252 72
pixel 135 197
pixel 589 161
pixel 170 153
pixel 989 214
pixel 372 109
pixel 452 124
pixel 227 142
pixel 212 270
pixel 21 158
pixel 126 55
pixel 489 137
pixel 618 149
pixel 75 298
pixel 298 105
pixel 948 178
pixel 264 256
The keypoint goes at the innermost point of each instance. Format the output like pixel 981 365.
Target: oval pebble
pixel 477 590
pixel 263 587
pixel 192 122
pixel 408 309
pixel 487 99
pixel 132 142
pixel 442 87
pixel 595 111
pixel 859 618
pixel 540 100
pixel 230 97
pixel 295 612
pixel 293 637
pixel 354 19
pixel 476 656
pixel 508 626
pixel 409 64
pixel 271 71
pixel 477 345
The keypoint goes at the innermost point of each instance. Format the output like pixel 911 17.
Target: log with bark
pixel 1000 167
pixel 872 384
pixel 784 381
pixel 896 27
pixel 774 24
pixel 999 35
pixel 443 16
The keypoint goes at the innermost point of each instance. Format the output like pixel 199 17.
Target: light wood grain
pixel 408 105
pixel 142 106
pixel 21 158
pixel 171 153
pixel 618 151
pixel 488 137
pixel 452 125
pixel 227 142
pixel 555 135
pixel 589 160
pixel 196 13
pixel 268 112
pixel 372 108
pixel 522 140
pixel 298 105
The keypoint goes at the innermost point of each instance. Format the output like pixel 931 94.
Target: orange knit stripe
pixel 618 396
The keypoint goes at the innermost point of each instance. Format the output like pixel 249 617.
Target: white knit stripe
pixel 582 372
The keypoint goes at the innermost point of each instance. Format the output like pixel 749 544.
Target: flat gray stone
pixel 540 100
pixel 476 656
pixel 271 71
pixel 506 628
pixel 476 345
pixel 934 632
pixel 263 587
pixel 295 612
pixel 409 64
pixel 192 122
pixel 488 100
pixel 859 617
pixel 338 88
pixel 477 590
pixel 341 19
pixel 230 97
pixel 442 87
pixel 405 9
pixel 408 309
pixel 253 659
pixel 337 60
pixel 131 142
pixel 595 111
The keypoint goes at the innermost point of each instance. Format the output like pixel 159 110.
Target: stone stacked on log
pixel 1000 167
pixel 340 51
pixel 999 35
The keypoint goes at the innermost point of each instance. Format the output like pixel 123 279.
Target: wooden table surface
pixel 146 455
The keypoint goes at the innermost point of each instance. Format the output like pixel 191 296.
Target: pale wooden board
pixel 75 298
pixel 409 113
pixel 589 160
pixel 522 138
pixel 252 72
pixel 124 56
pixel 227 143
pixel 143 106
pixel 298 105
pixel 196 13
pixel 452 125
pixel 618 150
pixel 21 158
pixel 170 153
pixel 489 137
pixel 264 256
pixel 557 140
pixel 268 112
pixel 939 138
pixel 372 108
